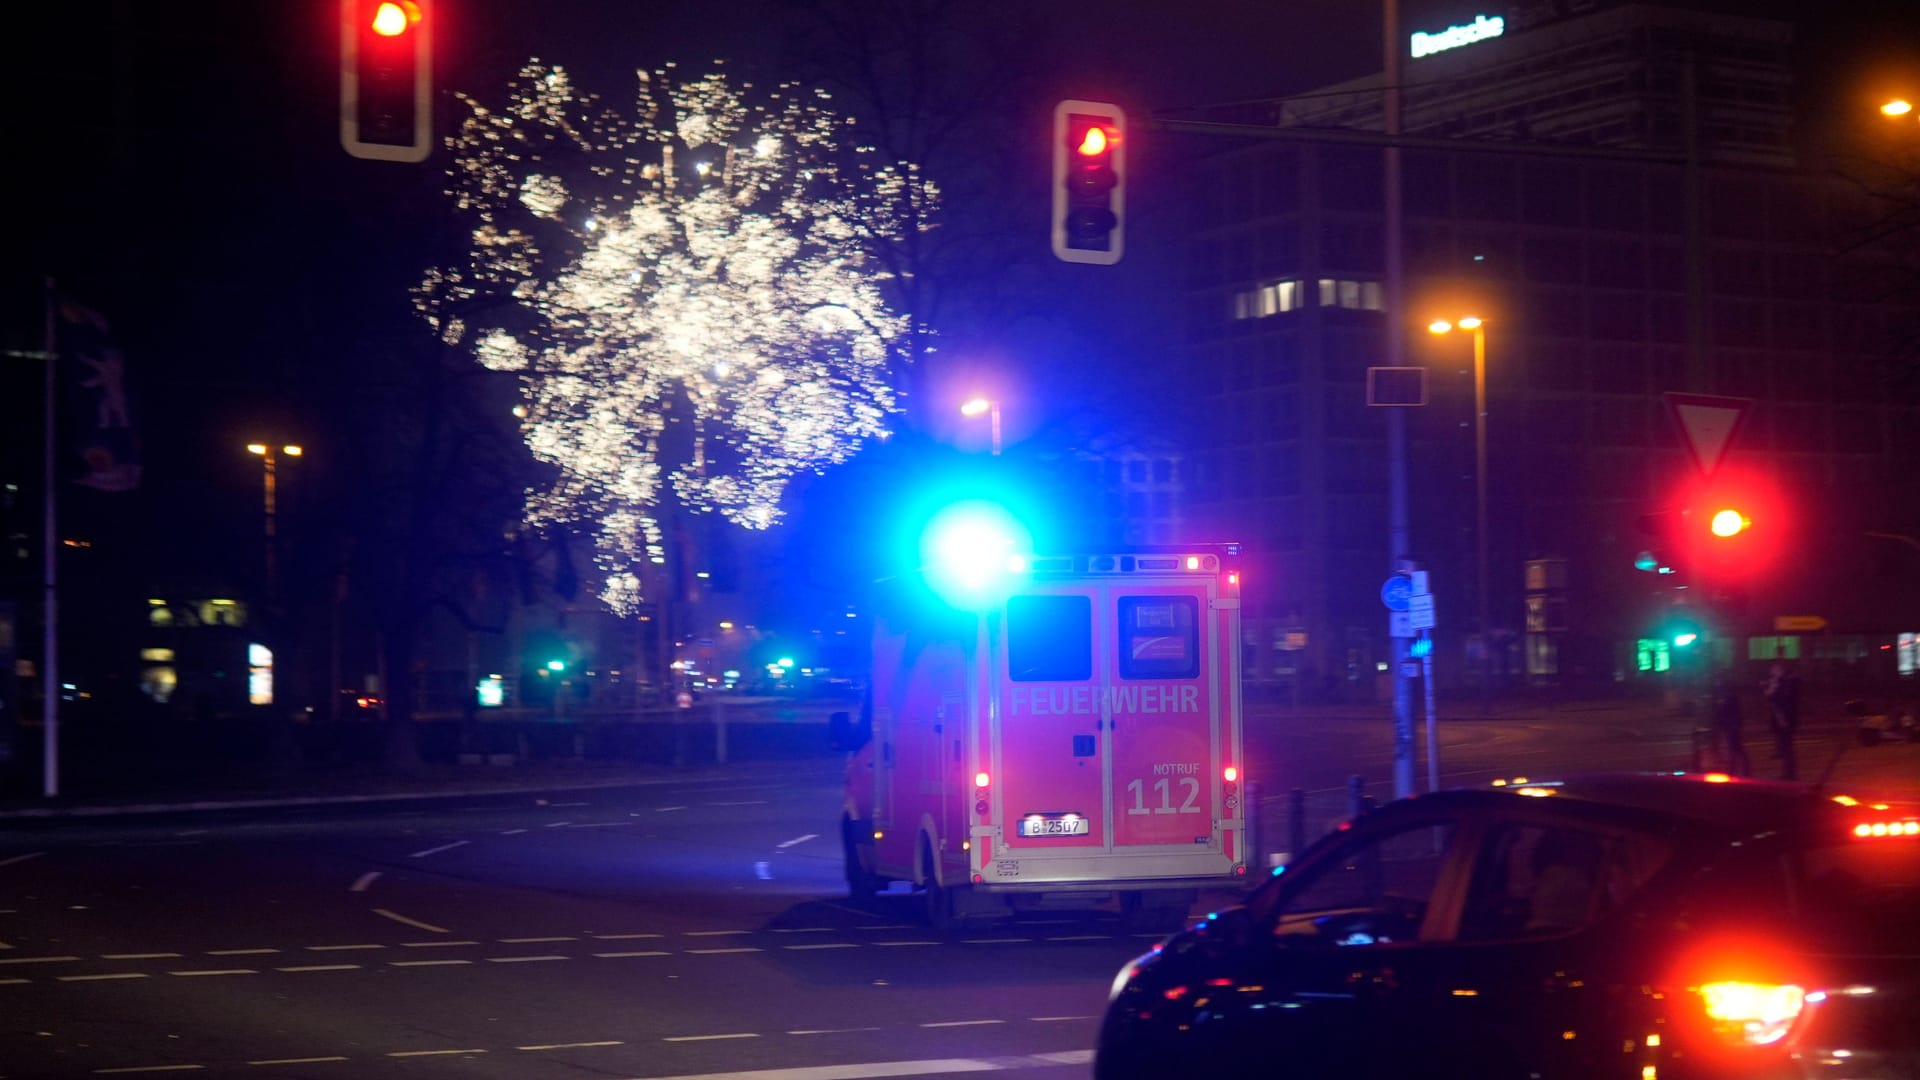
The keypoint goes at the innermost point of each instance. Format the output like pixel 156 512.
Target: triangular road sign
pixel 1707 425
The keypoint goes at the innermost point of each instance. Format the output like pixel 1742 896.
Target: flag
pixel 95 416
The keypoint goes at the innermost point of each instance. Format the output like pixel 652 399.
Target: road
pixel 679 928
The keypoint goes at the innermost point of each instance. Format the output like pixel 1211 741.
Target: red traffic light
pixel 1728 522
pixel 393 19
pixel 1089 182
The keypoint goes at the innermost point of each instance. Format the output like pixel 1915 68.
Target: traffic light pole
pixel 1399 540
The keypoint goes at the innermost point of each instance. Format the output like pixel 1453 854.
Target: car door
pixel 1334 949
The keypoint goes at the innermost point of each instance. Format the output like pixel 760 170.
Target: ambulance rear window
pixel 1159 638
pixel 1049 638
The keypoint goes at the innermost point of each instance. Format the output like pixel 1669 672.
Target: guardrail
pixel 710 731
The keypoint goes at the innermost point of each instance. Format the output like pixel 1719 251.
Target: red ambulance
pixel 1075 738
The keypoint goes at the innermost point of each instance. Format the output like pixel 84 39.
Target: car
pixel 1640 927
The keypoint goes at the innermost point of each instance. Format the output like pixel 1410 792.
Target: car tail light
pixel 1752 1013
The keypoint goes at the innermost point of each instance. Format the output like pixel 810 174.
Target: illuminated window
pixel 159 616
pixel 157 656
pixel 259 674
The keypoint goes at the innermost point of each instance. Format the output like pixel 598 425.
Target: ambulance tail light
pixel 981 779
pixel 980 783
pixel 1231 788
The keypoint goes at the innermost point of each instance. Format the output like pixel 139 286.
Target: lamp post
pixel 1479 328
pixel 266 452
pixel 1896 108
pixel 976 406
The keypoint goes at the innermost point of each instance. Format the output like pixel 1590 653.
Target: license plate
pixel 1054 825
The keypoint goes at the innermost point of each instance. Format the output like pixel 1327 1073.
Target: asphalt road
pixel 680 928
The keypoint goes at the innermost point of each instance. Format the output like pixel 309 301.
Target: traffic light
pixel 1089 182
pixel 386 79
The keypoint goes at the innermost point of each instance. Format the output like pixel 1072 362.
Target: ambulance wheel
pixel 856 841
pixel 939 898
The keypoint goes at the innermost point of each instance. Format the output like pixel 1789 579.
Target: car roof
pixel 1713 799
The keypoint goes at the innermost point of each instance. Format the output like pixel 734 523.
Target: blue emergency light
pixel 971 551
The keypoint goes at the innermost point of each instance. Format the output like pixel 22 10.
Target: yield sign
pixel 1707 425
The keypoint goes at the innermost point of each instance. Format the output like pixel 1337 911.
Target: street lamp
pixel 265 452
pixel 976 406
pixel 1478 326
pixel 1896 108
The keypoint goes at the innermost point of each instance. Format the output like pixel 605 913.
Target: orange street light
pixel 976 406
pixel 1477 326
pixel 1897 107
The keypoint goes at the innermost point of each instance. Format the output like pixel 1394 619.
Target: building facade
pixel 1633 214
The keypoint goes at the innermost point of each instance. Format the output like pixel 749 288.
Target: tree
pixel 689 297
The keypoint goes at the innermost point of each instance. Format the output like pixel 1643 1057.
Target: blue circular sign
pixel 1397 592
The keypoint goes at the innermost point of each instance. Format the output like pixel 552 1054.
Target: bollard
pixel 1296 822
pixel 1356 796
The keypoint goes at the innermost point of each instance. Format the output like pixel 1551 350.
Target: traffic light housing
pixel 386 79
pixel 1089 182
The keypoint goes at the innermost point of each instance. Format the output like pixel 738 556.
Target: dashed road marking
pixel 415 923
pixel 240 952
pixel 296 1061
pixel 620 955
pixel 831 1031
pixel 535 940
pixel 37 959
pixel 438 850
pixel 995 941
pixel 744 802
pixel 557 824
pixel 147 1069
pixel 717 933
pixel 513 832
pixel 427 963
pixel 434 944
pixel 101 978
pixel 522 959
pixel 318 967
pixel 824 945
pixel 341 948
pixel 623 937
pixel 1056 1019
pixel 360 883
pixel 898 943
pixel 432 1053
pixel 712 1038
pixel 721 952
pixel 1082 937
pixel 667 809
pixel 572 1045
pixel 140 956
pixel 191 972
pixel 797 840
pixel 961 1023
pixel 21 858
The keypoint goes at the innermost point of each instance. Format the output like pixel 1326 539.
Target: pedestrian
pixel 1726 724
pixel 1782 691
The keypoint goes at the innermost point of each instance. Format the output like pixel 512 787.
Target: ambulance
pixel 1071 736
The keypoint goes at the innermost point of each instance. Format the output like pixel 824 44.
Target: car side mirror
pixel 845 735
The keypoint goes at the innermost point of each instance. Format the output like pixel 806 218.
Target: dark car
pixel 1644 927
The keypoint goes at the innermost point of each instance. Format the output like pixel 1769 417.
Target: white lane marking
pixel 427 963
pixel 557 824
pixel 710 1038
pixel 878 1069
pixel 1056 1019
pixel 438 850
pixel 720 952
pixel 520 959
pixel 140 956
pixel 240 952
pixel 21 858
pixel 831 1031
pixel 667 809
pixel 193 832
pixel 536 940
pixel 341 948
pixel 824 945
pixel 745 802
pixel 885 926
pixel 360 883
pixel 572 1046
pixel 798 840
pixel 189 973
pixel 434 944
pixel 513 832
pixel 147 1069
pixel 415 923
pixel 962 1023
pixel 1083 937
pixel 623 937
pixel 717 933
pixel 804 930
pixel 38 959
pixel 602 824
pixel 4 945
pixel 996 941
pixel 432 1053
pixel 295 1061
pixel 319 967
pixel 906 943
pixel 14 982
pixel 101 978
pixel 639 952
pixel 556 805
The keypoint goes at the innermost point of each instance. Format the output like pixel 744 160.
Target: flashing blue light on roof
pixel 971 550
